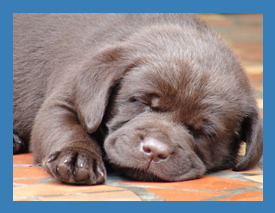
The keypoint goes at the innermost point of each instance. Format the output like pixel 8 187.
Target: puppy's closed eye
pixel 133 99
pixel 202 130
pixel 151 102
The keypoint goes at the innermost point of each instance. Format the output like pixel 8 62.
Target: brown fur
pixel 159 96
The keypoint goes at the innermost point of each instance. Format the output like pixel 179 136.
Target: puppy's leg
pixel 18 144
pixel 66 151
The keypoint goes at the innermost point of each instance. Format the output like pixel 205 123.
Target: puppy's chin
pixel 149 176
pixel 137 174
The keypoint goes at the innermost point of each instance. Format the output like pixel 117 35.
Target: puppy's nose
pixel 155 149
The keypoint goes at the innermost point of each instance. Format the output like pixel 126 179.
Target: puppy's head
pixel 175 112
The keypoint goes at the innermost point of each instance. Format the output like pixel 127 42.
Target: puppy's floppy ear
pixel 94 84
pixel 252 134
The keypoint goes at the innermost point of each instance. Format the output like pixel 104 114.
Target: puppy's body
pixel 163 95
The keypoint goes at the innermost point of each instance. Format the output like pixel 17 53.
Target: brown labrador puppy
pixel 158 96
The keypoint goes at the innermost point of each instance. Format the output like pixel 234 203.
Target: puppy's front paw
pixel 75 166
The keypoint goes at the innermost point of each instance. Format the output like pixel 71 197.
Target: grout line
pixel 23 178
pixel 65 194
pixel 234 193
pixel 249 188
pixel 144 194
pixel 27 165
pixel 217 198
pixel 20 185
pixel 44 180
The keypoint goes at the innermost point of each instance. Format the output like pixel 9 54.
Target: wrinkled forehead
pixel 168 77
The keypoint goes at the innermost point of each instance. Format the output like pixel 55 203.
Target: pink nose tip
pixel 155 149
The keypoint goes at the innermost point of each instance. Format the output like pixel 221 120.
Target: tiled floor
pixel 244 34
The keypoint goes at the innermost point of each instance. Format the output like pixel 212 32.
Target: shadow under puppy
pixel 158 96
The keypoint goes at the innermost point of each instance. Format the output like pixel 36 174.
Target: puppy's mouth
pixel 157 173
pixel 142 173
pixel 149 165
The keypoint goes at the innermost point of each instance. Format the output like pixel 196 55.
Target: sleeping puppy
pixel 157 96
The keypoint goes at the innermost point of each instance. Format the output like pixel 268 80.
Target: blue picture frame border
pixel 81 6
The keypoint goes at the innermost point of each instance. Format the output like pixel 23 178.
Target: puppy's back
pixel 47 47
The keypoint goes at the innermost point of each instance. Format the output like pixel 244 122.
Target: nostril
pixel 163 156
pixel 146 149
